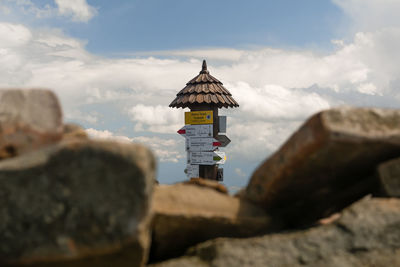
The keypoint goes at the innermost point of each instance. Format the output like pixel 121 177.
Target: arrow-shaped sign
pixel 202 130
pixel 207 158
pixel 223 139
pixel 196 144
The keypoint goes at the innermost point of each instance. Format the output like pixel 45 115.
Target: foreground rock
pixel 29 119
pixel 186 214
pixel 367 234
pixel 389 178
pixel 73 131
pixel 327 164
pixel 77 203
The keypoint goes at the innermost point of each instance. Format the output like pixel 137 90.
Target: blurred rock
pixel 327 164
pixel 389 177
pixel 71 130
pixel 29 119
pixel 208 183
pixel 186 214
pixel 76 203
pixel 367 234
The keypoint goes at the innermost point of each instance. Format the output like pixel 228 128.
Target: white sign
pixel 222 124
pixel 196 144
pixel 192 171
pixel 201 130
pixel 207 158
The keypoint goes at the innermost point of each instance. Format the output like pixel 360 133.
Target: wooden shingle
pixel 204 89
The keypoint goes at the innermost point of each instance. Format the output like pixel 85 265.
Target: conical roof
pixel 204 89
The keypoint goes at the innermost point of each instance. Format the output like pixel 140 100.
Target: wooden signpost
pixel 204 95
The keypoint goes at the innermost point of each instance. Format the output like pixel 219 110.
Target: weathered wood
pixel 209 87
pixel 205 92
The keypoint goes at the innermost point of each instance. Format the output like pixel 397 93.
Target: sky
pixel 116 66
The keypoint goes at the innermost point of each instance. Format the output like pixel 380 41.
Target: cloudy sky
pixel 116 65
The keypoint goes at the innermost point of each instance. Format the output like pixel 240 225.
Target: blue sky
pixel 116 65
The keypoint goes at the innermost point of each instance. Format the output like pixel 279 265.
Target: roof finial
pixel 204 67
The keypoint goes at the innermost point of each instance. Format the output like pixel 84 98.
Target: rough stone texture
pixel 389 177
pixel 327 164
pixel 29 119
pixel 208 183
pixel 77 203
pixel 71 130
pixel 367 234
pixel 186 214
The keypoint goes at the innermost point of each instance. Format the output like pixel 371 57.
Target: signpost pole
pixel 208 171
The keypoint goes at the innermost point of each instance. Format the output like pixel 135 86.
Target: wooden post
pixel 208 171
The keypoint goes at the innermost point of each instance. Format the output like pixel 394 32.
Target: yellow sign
pixel 199 117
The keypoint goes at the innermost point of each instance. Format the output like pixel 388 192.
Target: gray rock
pixel 367 234
pixel 29 119
pixel 327 164
pixel 187 214
pixel 389 177
pixel 77 202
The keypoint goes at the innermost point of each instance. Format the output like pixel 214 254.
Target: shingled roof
pixel 204 89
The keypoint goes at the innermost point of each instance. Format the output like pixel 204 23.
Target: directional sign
pixel 192 171
pixel 199 117
pixel 222 124
pixel 202 130
pixel 196 144
pixel 223 139
pixel 207 158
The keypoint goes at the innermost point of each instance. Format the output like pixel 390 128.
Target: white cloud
pixel 161 119
pixel 166 150
pixel 14 35
pixel 273 102
pixel 276 88
pixel 371 15
pixel 79 10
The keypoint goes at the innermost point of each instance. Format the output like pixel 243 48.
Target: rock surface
pixel 327 164
pixel 77 203
pixel 367 234
pixel 29 119
pixel 186 214
pixel 74 131
pixel 389 177
pixel 208 183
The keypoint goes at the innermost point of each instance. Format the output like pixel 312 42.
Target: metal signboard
pixel 201 130
pixel 199 117
pixel 196 144
pixel 207 158
pixel 223 139
pixel 192 171
pixel 222 124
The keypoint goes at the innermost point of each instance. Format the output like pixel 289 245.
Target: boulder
pixel 208 183
pixel 76 203
pixel 327 164
pixel 71 131
pixel 367 234
pixel 187 214
pixel 389 178
pixel 29 119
